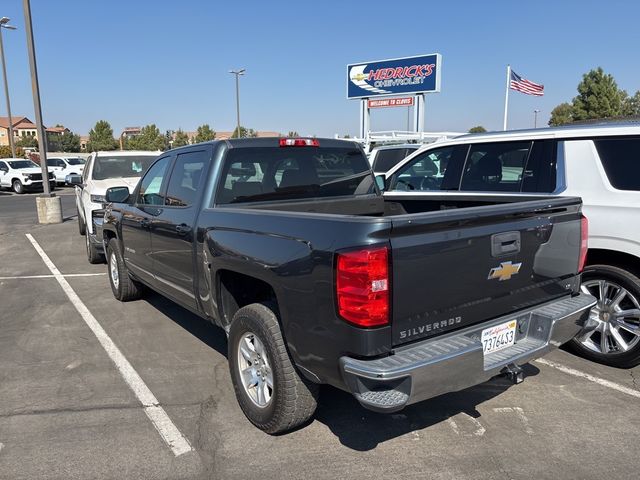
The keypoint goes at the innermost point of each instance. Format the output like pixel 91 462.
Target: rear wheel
pixel 124 288
pixel 17 186
pixel 269 389
pixel 612 333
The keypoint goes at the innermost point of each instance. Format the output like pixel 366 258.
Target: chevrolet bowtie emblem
pixel 505 271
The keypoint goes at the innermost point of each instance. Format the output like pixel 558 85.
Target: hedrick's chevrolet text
pixel 288 245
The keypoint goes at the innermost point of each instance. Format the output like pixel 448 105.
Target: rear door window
pixel 495 167
pixel 620 158
pixel 185 178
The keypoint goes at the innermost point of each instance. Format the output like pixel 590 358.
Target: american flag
pixel 525 86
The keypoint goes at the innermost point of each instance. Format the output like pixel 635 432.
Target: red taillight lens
pixel 584 242
pixel 362 286
pixel 299 142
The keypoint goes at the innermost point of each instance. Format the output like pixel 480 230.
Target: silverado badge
pixel 505 271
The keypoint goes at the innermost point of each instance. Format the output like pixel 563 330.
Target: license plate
pixel 498 337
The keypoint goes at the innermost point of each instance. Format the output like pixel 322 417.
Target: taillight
pixel 362 286
pixel 584 242
pixel 299 142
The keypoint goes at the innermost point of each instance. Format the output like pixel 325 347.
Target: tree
pixel 180 139
pixel 67 142
pixel 561 115
pixel 244 132
pixel 477 129
pixel 631 105
pixel 28 141
pixel 101 137
pixel 598 97
pixel 5 152
pixel 149 138
pixel 204 133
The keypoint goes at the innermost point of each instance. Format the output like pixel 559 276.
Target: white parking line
pixel 20 277
pixel 591 378
pixel 161 421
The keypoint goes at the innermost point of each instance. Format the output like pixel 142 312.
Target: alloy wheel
pixel 113 270
pixel 614 323
pixel 255 370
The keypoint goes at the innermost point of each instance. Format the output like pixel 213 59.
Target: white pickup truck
pixel 601 164
pixel 104 170
pixel 63 166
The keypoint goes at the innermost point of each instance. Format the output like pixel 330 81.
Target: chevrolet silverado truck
pixel 289 246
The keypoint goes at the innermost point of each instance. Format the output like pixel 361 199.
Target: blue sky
pixel 166 62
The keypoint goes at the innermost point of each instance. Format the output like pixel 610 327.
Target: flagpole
pixel 506 97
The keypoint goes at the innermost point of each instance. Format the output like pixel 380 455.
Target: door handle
pixel 505 243
pixel 145 223
pixel 183 229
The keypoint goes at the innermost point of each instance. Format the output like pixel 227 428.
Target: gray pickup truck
pixel 288 245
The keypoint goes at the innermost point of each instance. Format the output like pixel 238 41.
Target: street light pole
pixel 237 73
pixel 535 118
pixel 4 24
pixel 48 205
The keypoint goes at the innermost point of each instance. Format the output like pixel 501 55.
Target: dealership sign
pixel 391 102
pixel 419 74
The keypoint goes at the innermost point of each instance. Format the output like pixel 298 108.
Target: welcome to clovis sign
pixel 419 74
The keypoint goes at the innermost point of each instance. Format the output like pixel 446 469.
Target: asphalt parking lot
pixel 67 411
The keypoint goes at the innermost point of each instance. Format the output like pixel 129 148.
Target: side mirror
pixel 380 182
pixel 73 179
pixel 117 195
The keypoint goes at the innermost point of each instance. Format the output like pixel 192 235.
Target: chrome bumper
pixel 455 361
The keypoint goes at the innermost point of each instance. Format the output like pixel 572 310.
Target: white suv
pixel 102 171
pixel 22 175
pixel 63 166
pixel 601 164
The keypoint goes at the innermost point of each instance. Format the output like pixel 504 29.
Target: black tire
pixel 126 289
pixel 294 398
pixel 93 255
pixel 82 228
pixel 629 282
pixel 17 186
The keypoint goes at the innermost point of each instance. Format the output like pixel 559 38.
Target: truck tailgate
pixel 455 268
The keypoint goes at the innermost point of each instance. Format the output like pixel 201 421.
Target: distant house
pixel 61 130
pixel 84 139
pixel 129 132
pixel 22 127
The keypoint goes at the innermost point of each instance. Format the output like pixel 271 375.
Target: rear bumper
pixel 455 361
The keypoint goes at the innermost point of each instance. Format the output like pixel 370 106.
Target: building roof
pixel 57 129
pixel 18 122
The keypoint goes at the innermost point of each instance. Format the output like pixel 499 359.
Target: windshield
pixel 75 161
pixel 120 166
pixel 23 164
pixel 263 174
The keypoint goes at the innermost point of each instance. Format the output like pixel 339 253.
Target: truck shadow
pixel 362 430
pixel 356 427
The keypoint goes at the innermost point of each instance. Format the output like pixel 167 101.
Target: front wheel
pixel 18 187
pixel 93 255
pixel 611 335
pixel 124 288
pixel 269 389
